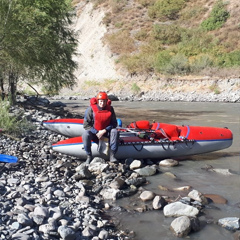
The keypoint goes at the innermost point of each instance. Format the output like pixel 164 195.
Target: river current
pixel 152 224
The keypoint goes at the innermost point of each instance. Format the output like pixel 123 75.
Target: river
pixel 152 224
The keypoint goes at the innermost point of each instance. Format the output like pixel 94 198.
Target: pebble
pixel 168 163
pixel 48 195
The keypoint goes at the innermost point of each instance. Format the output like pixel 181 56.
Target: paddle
pixel 8 159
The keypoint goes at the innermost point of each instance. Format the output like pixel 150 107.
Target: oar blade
pixel 8 159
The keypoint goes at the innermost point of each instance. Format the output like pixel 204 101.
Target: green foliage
pixel 169 63
pixel 178 65
pixel 201 62
pixel 167 34
pixel 36 42
pixel 163 9
pixel 13 124
pixel 190 14
pixel 141 63
pixel 195 42
pixel 217 17
pixel 162 60
pixel 229 59
pixel 215 88
pixel 135 88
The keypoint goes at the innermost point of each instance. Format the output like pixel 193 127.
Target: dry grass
pixel 130 27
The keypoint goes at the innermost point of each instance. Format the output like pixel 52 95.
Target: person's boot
pixel 89 159
pixel 112 157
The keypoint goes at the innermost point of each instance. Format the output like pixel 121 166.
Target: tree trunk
pixel 2 88
pixel 12 81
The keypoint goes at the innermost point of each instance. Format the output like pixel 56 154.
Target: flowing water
pixel 152 225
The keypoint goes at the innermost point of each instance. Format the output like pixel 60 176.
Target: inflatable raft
pixel 69 127
pixel 156 141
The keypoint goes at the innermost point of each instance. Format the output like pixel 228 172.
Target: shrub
pixel 229 59
pixel 167 34
pixel 215 88
pixel 172 64
pixel 140 63
pixel 141 35
pixel 201 62
pixel 146 3
pixel 135 88
pixel 163 9
pixel 195 42
pixel 217 18
pixel 11 123
pixel 121 42
pixel 178 65
pixel 162 60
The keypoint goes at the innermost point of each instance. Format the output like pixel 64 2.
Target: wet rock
pixel 195 224
pixel 226 172
pixel 184 188
pixel 117 183
pixel 230 223
pixel 138 181
pixel 159 202
pixel 109 193
pixel 196 195
pixel 216 198
pixel 181 226
pixel 147 195
pixel 236 235
pixel 168 163
pixel 146 171
pixel 177 209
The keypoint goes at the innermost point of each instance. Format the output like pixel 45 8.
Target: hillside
pixel 101 64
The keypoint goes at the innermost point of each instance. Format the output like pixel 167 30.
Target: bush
pixel 172 64
pixel 162 60
pixel 167 34
pixel 135 88
pixel 178 65
pixel 201 62
pixel 121 42
pixel 217 17
pixel 13 124
pixel 229 59
pixel 141 63
pixel 141 35
pixel 166 9
pixel 195 42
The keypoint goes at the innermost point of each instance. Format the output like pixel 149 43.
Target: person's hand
pixel 101 133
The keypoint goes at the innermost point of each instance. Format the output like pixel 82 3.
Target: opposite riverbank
pixel 172 90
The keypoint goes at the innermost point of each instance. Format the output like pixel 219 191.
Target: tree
pixel 36 43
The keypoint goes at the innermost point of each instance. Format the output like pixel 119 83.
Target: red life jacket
pixel 102 118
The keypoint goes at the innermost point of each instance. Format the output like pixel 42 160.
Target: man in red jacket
pixel 100 120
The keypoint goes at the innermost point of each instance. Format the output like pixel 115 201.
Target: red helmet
pixel 102 96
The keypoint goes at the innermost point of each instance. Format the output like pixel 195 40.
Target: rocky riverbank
pixel 47 195
pixel 167 90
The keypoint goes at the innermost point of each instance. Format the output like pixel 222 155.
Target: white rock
pixel 147 195
pixel 135 164
pixel 181 226
pixel 146 171
pixel 178 209
pixel 169 163
pixel 197 196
